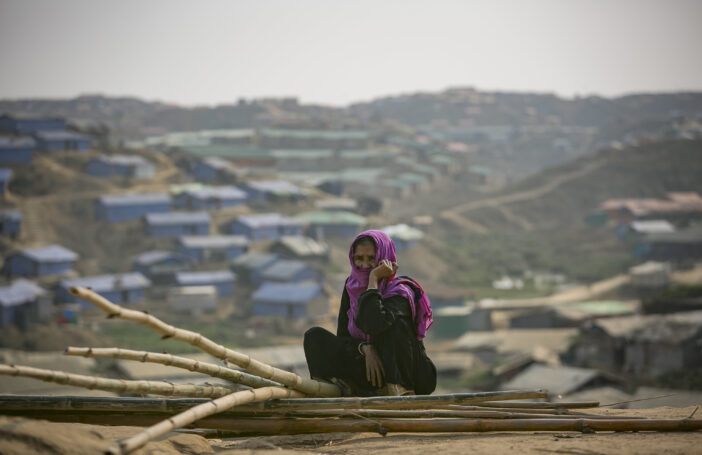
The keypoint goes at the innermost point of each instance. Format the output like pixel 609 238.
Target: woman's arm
pixel 342 327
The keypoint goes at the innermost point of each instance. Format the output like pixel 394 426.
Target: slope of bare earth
pixel 20 436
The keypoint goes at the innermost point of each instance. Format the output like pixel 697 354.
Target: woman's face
pixel 364 256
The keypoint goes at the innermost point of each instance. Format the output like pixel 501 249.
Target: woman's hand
pixel 385 269
pixel 374 366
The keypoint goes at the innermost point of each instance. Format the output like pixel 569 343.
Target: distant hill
pixel 461 107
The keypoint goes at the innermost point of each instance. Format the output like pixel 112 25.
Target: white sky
pixel 337 52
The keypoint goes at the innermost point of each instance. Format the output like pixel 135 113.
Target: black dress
pixel 389 322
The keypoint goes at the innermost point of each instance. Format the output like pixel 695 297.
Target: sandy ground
pixel 23 436
pixel 20 436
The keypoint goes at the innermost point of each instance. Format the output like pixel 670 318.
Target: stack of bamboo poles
pixel 268 400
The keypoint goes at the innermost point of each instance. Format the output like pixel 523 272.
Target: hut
pixel 60 141
pixel 210 198
pixel 264 226
pixel 177 224
pixel 405 237
pixel 251 265
pixel 289 300
pixel 222 280
pixel 122 289
pixel 128 207
pixel 22 304
pixel 159 266
pixel 194 300
pixel 39 262
pixel 206 248
pixel 10 223
pixel 13 124
pixel 288 271
pixel 302 248
pixel 328 223
pixel 5 176
pixel 134 166
pixel 273 190
pixel 16 149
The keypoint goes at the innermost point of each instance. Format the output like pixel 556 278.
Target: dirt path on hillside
pixel 457 214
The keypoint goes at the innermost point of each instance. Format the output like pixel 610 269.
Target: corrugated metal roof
pixel 275 187
pixel 332 217
pixel 260 220
pixel 154 257
pixel 51 253
pixel 213 241
pixel 136 198
pixel 219 163
pixel 217 192
pixel 19 292
pixel 161 219
pixel 11 215
pixel 196 278
pixel 557 380
pixel 319 134
pixel 672 328
pixel 126 160
pixel 346 204
pixel 17 141
pixel 254 260
pixel 302 154
pixel 403 232
pixel 284 269
pixel 5 174
pixel 303 246
pixel 295 293
pixel 103 283
pixel 61 136
pixel 652 226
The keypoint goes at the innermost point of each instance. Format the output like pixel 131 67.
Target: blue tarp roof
pixel 104 283
pixel 16 141
pixel 254 260
pixel 213 241
pixel 284 269
pixel 217 192
pixel 295 293
pixel 51 253
pixel 12 215
pixel 154 257
pixel 5 174
pixel 260 220
pixel 136 199
pixel 177 218
pixel 19 292
pixel 195 278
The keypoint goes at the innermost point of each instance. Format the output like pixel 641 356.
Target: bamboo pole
pixel 198 412
pixel 32 403
pixel 266 427
pixel 402 402
pixel 306 386
pixel 211 369
pixel 116 385
pixel 541 405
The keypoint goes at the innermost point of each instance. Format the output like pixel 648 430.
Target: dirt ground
pixel 20 436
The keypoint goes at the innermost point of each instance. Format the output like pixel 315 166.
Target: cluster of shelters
pixel 20 136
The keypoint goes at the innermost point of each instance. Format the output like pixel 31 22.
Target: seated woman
pixel 378 348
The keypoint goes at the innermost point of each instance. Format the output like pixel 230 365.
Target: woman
pixel 377 349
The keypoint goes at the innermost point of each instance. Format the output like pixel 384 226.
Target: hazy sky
pixel 337 52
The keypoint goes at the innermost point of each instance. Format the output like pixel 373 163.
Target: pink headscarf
pixel 357 283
